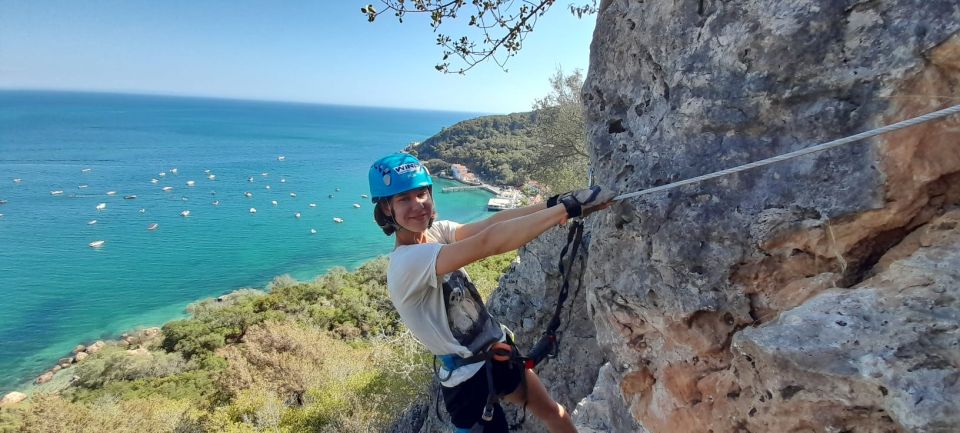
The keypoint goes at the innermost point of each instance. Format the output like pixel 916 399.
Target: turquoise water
pixel 56 291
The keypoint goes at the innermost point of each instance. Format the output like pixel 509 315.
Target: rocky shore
pixel 135 342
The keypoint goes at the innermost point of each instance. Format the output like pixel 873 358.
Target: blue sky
pixel 309 51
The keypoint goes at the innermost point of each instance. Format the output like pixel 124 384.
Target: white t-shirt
pixel 447 315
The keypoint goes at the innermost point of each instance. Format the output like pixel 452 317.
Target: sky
pixel 320 51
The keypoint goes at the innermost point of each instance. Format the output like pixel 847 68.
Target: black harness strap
pixel 549 344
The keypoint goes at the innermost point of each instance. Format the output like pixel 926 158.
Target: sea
pixel 78 168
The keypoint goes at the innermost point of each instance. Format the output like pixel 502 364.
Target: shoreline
pixel 28 383
pixel 58 380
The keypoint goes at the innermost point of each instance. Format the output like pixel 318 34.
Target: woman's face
pixel 413 209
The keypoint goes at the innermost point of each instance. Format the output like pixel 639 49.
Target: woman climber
pixel 437 301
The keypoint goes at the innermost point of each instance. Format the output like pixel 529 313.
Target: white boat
pixel 82 186
pixel 101 206
pixel 183 198
pixel 57 192
pixel 296 215
pixel 356 205
pixel 364 196
pixel 499 204
pixel 281 158
pixel 268 186
pixel 91 222
pixel 293 194
pixel 17 180
pixel 312 205
pixel 154 180
pixel 330 196
pixel 142 210
pixel 313 231
pixel 191 183
pixel 336 189
pixel 1 215
pixel 337 220
pixel 167 188
pixel 253 210
pixel 273 202
pixel 185 213
pixel 264 174
pixel 250 179
pixel 212 177
pixel 207 171
pixel 3 202
pixel 216 202
pixel 96 244
pixel 161 174
pixel 248 194
pixel 282 180
pixel 130 197
pixel 153 226
pixel 173 170
pixel 86 170
pixel 111 193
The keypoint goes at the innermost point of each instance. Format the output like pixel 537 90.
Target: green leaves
pixel 371 12
pixel 495 29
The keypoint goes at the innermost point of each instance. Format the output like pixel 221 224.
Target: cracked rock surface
pixel 709 300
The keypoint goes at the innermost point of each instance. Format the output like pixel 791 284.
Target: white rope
pixel 813 149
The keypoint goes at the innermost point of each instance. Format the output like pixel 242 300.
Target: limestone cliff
pixel 764 301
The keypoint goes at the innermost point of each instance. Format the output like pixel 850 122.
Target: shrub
pixel 115 364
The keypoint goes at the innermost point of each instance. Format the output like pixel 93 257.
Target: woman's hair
pixel 387 223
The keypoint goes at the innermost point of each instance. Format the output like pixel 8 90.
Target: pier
pixel 485 187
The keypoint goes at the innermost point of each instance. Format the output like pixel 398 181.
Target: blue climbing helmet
pixel 396 173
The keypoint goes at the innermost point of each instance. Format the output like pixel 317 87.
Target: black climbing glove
pixel 581 202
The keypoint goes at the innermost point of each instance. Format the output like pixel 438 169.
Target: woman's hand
pixel 583 202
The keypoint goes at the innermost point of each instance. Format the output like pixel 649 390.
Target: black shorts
pixel 465 401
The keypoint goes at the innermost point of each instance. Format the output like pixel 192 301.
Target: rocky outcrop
pixel 889 348
pixel 44 378
pixel 719 305
pixel 12 398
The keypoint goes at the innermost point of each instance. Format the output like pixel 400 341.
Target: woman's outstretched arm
pixel 498 238
pixel 468 230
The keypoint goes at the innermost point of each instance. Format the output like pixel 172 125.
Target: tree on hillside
pixel 500 26
pixel 561 160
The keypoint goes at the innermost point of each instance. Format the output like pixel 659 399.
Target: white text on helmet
pixel 405 168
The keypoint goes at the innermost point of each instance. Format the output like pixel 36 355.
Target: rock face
pixel 816 295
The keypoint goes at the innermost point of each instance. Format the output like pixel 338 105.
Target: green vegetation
pixel 560 160
pixel 497 148
pixel 329 355
pixel 547 145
